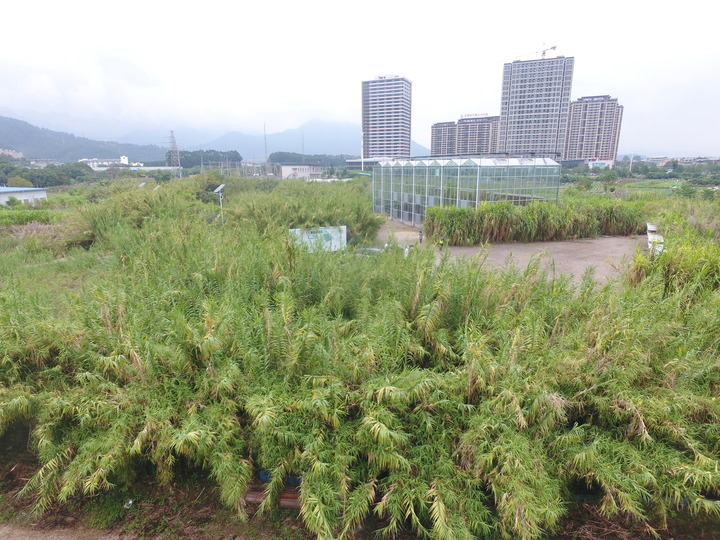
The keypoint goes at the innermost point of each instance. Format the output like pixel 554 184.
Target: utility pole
pixel 362 150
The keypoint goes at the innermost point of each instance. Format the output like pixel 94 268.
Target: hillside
pixel 36 142
pixel 315 137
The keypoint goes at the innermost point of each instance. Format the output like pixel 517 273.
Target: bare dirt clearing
pixel 608 255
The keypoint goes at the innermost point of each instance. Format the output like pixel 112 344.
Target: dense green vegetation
pixel 536 222
pixel 700 173
pixel 52 175
pixel 445 398
pixel 16 214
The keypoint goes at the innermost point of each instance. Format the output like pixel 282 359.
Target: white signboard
pixel 325 238
pixel 601 164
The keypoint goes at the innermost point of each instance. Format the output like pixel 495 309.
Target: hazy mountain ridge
pixel 315 137
pixel 37 142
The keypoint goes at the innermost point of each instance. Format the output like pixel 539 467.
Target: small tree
pixel 18 181
pixel 687 191
pixel 608 177
pixel 584 183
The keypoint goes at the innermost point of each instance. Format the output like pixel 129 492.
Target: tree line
pixel 53 175
pixel 198 158
pixel 325 160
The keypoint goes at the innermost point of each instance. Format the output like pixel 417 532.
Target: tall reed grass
pixel 299 204
pixel 536 222
pixel 445 398
pixel 23 216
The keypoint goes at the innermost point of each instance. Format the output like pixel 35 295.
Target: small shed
pixel 23 194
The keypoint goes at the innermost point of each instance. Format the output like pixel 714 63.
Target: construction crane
pixel 542 52
pixel 546 50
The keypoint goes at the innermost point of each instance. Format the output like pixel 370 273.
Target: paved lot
pixel 609 255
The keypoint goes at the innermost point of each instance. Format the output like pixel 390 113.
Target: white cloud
pixel 107 69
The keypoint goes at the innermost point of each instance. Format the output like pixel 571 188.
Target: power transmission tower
pixel 175 156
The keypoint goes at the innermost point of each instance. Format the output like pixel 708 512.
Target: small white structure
pixel 301 170
pixel 23 194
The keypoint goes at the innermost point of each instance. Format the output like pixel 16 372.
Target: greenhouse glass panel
pixel 406 189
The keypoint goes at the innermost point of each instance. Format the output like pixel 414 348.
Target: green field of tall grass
pixel 537 222
pixel 142 335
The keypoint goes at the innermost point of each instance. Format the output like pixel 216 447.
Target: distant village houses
pixel 102 164
pixel 11 153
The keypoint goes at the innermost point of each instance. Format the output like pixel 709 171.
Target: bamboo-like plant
pixel 448 399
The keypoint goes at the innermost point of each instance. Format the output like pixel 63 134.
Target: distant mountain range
pixel 35 142
pixel 315 137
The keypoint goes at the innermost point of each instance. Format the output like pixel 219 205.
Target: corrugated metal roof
pixel 16 189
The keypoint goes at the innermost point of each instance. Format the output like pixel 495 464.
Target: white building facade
pixel 534 107
pixel 443 136
pixel 386 117
pixel 471 135
pixel 302 170
pixel 477 135
pixel 594 129
pixel 22 194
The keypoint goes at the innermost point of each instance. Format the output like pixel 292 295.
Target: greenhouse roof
pixel 477 162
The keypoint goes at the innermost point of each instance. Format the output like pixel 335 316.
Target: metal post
pixel 477 190
pixel 457 194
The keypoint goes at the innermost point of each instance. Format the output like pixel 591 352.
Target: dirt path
pixel 11 532
pixel 608 255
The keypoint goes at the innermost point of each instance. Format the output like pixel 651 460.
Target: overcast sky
pixel 103 69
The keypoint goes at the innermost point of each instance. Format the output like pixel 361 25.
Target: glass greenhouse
pixel 403 189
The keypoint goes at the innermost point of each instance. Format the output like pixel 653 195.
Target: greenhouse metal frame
pixel 404 189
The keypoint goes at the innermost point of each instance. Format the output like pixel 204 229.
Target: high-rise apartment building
pixel 477 135
pixel 469 136
pixel 534 107
pixel 442 139
pixel 594 128
pixel 386 117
